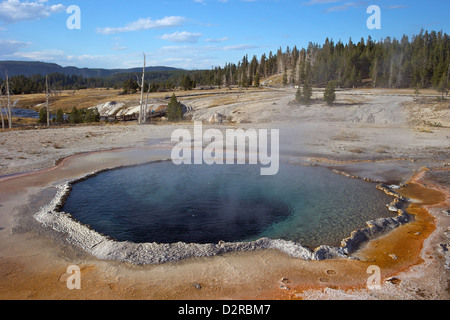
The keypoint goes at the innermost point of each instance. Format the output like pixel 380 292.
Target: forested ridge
pixel 423 61
pixel 420 62
pixel 21 84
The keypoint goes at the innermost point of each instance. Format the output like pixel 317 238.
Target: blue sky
pixel 197 34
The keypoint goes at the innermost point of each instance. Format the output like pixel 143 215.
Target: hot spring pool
pixel 164 203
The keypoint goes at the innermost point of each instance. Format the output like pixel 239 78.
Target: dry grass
pixel 442 106
pixel 69 99
pixel 90 97
pixel 346 136
pixel 275 80
pixel 223 101
pixel 428 111
pixel 382 149
pixel 357 150
pixel 23 121
pixel 82 98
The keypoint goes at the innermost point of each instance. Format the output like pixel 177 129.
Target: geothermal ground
pixel 381 135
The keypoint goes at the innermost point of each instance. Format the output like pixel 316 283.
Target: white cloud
pixel 119 48
pixel 218 39
pixel 346 6
pixel 240 47
pixel 185 56
pixel 63 59
pixel 311 2
pixel 204 1
pixel 9 47
pixel 182 37
pixel 46 55
pixel 12 11
pixel 397 6
pixel 145 24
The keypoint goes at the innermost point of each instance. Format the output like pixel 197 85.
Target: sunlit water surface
pixel 164 203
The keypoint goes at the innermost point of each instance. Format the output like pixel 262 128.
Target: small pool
pixel 164 203
pixel 24 113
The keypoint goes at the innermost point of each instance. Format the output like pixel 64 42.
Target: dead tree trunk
pixel 1 107
pixel 47 104
pixel 8 101
pixel 141 110
pixel 146 105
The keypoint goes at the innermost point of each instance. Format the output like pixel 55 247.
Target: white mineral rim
pixel 105 248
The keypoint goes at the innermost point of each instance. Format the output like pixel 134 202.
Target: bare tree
pixel 47 104
pixel 1 107
pixel 141 110
pixel 8 101
pixel 146 104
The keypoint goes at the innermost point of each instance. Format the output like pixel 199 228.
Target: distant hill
pixel 29 68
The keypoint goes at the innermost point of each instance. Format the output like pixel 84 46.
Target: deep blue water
pixel 24 113
pixel 164 203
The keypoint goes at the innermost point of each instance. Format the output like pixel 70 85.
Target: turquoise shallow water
pixel 164 203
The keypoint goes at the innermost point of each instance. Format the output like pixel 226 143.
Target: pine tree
pixel 244 80
pixel 443 86
pixel 59 116
pixel 75 116
pixel 417 90
pixel 188 84
pixel 256 80
pixel 285 79
pixel 43 116
pixel 299 95
pixel 330 93
pixel 307 93
pixel 174 109
pixel 96 115
pixel 91 115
